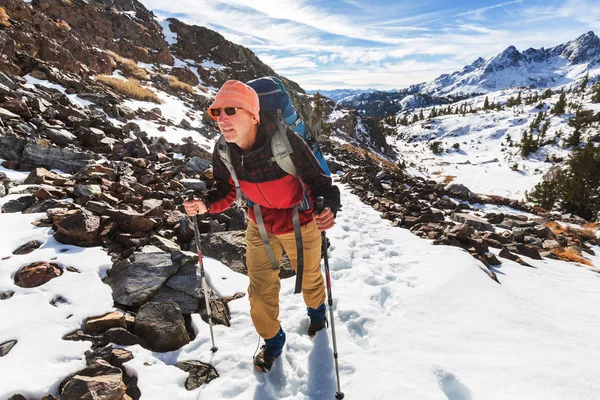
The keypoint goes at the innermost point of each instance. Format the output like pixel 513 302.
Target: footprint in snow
pixel 452 387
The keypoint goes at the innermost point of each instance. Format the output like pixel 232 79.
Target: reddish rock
pixel 77 227
pixel 37 274
pixel 114 319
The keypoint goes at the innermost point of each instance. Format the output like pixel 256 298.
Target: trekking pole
pixel 203 277
pixel 339 394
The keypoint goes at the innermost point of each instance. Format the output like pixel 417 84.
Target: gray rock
pixel 6 115
pixel 11 147
pixel 88 190
pixel 64 159
pixel 473 221
pixel 6 347
pixel 193 184
pixel 164 244
pixel 2 190
pixel 136 279
pixel 227 247
pixel 50 204
pixel 60 137
pixel 199 373
pixel 197 164
pixel 188 304
pixel 457 188
pixel 19 204
pixel 162 326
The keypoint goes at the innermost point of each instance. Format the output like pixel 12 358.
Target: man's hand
pixel 193 207
pixel 324 220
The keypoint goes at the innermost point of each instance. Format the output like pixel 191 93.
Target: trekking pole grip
pixel 320 204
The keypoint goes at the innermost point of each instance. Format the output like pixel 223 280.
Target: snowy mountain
pixel 556 67
pixel 338 94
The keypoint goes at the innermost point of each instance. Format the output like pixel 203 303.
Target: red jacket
pixel 263 182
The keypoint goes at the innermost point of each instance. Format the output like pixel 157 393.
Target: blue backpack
pixel 274 97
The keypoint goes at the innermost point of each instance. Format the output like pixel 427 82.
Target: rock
pixel 199 373
pixel 99 381
pixel 41 176
pixel 16 106
pixel 92 191
pixel 27 247
pixel 550 244
pixel 187 304
pixel 18 205
pixel 162 325
pixel 136 279
pixel 41 153
pixel 77 227
pixel 60 137
pixel 11 147
pixel 505 253
pixel 114 319
pixel 6 347
pixel 193 184
pixel 6 115
pixel 7 295
pixel 131 221
pixel 227 247
pixel 473 221
pixel 118 357
pixel 197 164
pixel 528 251
pixel 164 244
pixel 48 205
pixel 120 336
pixel 36 274
pixel 457 188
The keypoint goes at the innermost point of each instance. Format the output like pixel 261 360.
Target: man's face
pixel 237 127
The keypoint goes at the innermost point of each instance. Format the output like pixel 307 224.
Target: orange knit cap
pixel 236 94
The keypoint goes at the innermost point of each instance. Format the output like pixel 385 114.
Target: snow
pixel 209 64
pixel 411 318
pixel 170 36
pixel 75 100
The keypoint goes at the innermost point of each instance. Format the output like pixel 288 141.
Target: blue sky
pixel 334 44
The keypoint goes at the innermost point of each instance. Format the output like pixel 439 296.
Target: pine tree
pixel 585 81
pixel 559 107
pixel 596 93
pixel 486 104
pixel 575 190
pixel 547 94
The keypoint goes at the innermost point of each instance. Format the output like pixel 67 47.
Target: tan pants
pixel 263 291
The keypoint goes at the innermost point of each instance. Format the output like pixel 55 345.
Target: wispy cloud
pixel 346 43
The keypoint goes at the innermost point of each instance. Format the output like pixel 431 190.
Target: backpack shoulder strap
pixel 225 154
pixel 281 149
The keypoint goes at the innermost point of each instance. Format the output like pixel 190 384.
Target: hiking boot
pixel 263 362
pixel 316 326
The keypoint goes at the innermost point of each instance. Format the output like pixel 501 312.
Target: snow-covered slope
pixel 413 321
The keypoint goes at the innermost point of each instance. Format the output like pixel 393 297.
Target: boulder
pixel 227 247
pixel 162 325
pixel 36 274
pixel 475 222
pixel 136 279
pixel 114 319
pixel 41 153
pixel 77 227
pixel 99 381
pixel 27 247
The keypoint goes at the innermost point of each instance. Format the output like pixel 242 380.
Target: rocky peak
pixel 586 48
pixel 510 57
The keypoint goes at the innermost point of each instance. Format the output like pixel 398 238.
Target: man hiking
pixel 283 213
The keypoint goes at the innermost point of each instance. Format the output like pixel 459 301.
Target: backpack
pixel 273 97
